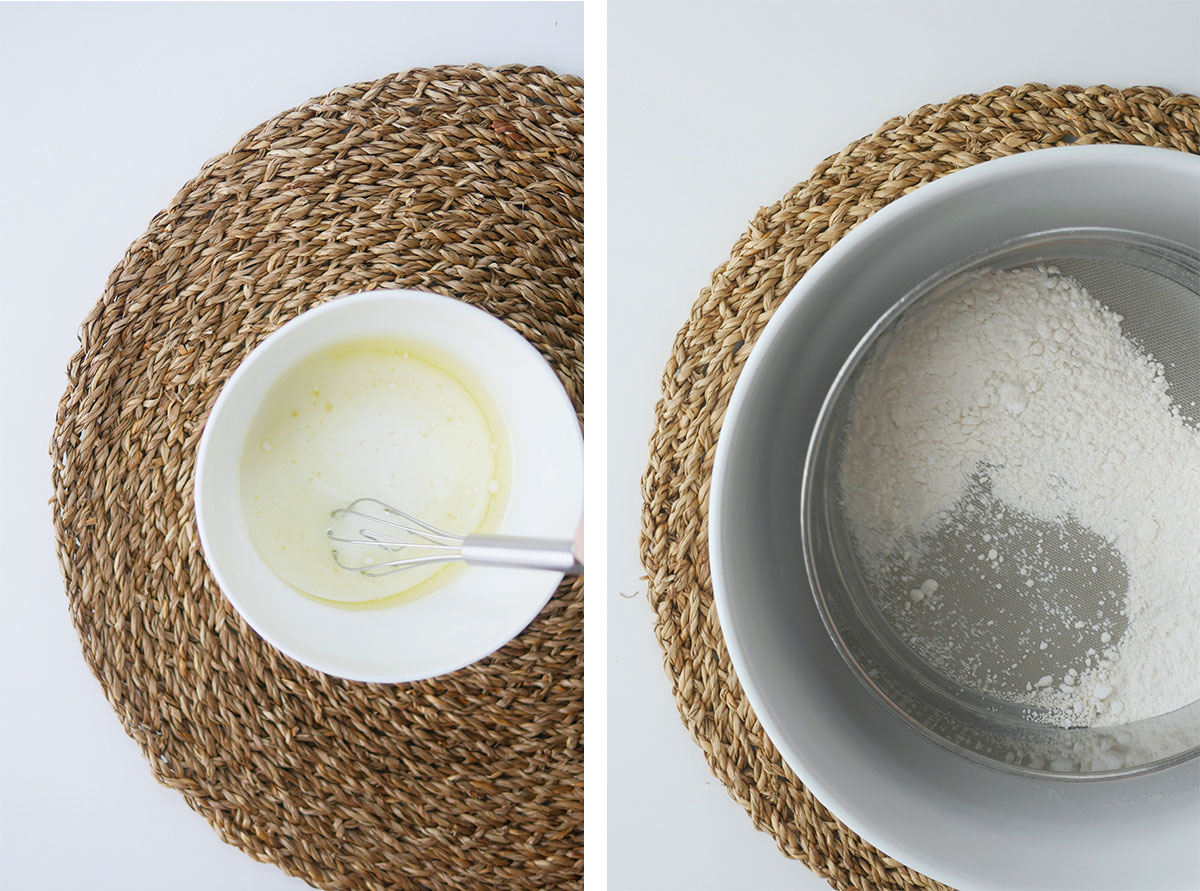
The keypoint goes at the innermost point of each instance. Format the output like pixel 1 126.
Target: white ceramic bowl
pixel 480 609
pixel 967 825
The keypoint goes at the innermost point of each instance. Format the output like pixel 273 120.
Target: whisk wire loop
pixel 427 544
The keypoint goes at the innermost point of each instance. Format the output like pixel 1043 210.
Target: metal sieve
pixel 937 687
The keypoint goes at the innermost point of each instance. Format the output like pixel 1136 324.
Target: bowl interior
pixel 933 809
pixel 479 609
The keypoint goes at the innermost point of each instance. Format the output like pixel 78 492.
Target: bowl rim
pixel 875 832
pixel 248 367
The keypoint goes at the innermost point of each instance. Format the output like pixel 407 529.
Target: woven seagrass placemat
pixel 783 241
pixel 466 181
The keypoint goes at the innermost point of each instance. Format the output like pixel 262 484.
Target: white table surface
pixel 106 112
pixel 713 113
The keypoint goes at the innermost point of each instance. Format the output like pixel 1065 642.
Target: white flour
pixel 1017 401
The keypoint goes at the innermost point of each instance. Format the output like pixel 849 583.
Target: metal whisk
pixel 409 542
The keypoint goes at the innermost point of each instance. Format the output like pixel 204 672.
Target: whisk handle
pixel 525 553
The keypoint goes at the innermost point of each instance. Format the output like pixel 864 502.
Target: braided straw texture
pixel 466 181
pixel 783 241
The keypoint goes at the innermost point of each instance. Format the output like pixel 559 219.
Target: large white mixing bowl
pixel 957 821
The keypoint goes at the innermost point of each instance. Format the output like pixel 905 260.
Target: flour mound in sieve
pixel 1016 401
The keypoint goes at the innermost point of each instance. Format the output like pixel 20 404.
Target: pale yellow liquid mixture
pixel 381 419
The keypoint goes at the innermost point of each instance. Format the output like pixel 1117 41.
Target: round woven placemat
pixel 783 241
pixel 467 181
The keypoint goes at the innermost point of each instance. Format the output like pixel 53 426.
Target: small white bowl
pixel 478 610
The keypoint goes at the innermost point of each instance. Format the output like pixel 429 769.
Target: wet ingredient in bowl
pixel 381 419
pixel 1012 422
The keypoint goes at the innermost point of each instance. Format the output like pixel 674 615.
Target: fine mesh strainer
pixel 951 681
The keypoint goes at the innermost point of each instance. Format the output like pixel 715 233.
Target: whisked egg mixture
pixel 383 419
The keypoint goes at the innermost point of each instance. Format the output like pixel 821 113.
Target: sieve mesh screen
pixel 1030 596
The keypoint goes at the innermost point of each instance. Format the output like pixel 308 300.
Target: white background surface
pixel 712 114
pixel 106 111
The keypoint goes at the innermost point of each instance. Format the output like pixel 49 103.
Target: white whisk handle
pixel 525 553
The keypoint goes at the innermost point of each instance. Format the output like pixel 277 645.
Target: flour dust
pixel 1022 492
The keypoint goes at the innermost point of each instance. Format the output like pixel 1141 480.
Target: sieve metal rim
pixel 1174 252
